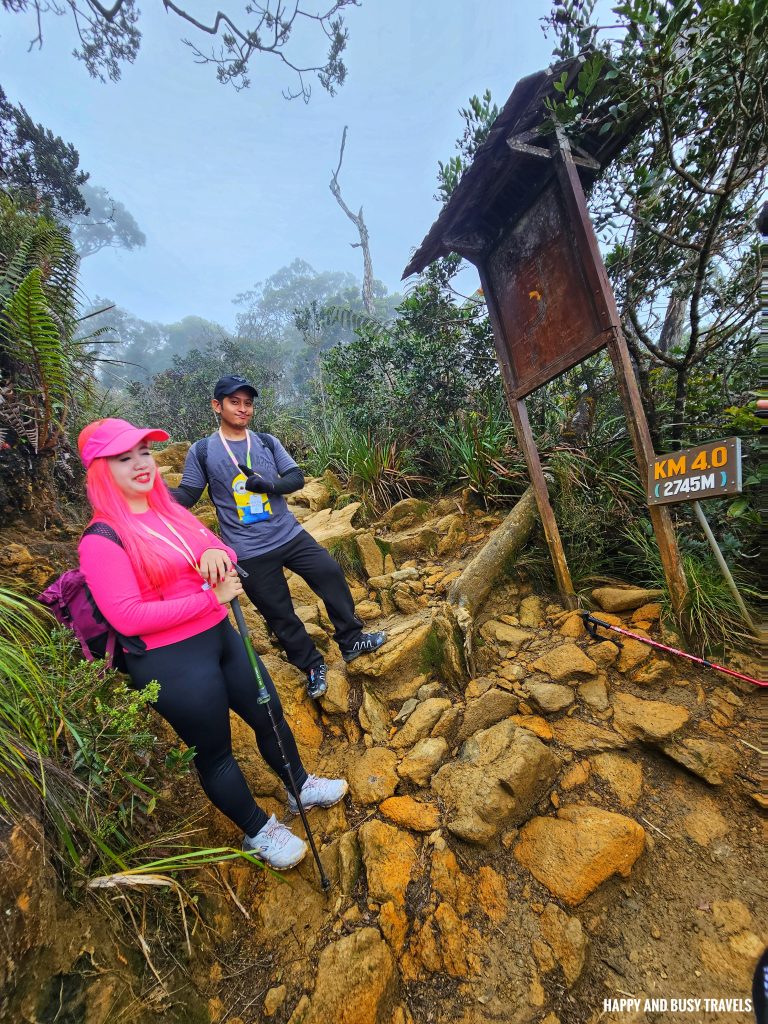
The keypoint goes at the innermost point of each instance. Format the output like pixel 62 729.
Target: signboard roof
pixel 501 184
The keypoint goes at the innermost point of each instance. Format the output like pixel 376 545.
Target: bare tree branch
pixel 357 220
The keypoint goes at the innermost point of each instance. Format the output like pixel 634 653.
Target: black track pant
pixel 267 588
pixel 201 679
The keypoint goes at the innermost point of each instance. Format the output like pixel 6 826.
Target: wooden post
pixel 605 303
pixel 527 443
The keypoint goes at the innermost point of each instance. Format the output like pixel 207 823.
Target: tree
pixel 180 397
pixel 39 164
pixel 44 371
pixel 110 36
pixel 105 224
pixel 676 210
pixel 362 230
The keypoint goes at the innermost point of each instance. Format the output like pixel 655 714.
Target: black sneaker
pixel 317 682
pixel 366 643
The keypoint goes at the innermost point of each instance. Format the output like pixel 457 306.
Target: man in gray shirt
pixel 248 475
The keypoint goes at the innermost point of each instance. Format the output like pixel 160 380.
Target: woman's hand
pixel 229 588
pixel 214 565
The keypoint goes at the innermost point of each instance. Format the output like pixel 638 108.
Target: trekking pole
pixel 591 624
pixel 264 698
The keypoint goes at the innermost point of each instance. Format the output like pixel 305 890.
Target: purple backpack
pixel 70 602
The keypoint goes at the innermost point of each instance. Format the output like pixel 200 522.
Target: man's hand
pixel 215 564
pixel 257 482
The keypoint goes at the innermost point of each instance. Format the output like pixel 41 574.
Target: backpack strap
pixel 201 451
pixel 102 530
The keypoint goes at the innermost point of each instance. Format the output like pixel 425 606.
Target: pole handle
pixel 262 696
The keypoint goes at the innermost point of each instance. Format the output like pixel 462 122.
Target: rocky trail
pixel 568 825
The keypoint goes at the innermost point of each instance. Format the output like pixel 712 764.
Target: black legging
pixel 201 679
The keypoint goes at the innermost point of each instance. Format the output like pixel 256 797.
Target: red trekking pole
pixel 591 624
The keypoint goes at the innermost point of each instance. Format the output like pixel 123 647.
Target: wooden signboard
pixel 547 310
pixel 709 471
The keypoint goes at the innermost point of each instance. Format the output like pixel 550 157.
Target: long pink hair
pixel 109 506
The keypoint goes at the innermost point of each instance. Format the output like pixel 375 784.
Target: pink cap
pixel 113 437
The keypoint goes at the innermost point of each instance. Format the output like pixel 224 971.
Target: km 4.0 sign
pixel 709 471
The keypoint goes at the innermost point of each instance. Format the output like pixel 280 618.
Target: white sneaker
pixel 276 845
pixel 317 792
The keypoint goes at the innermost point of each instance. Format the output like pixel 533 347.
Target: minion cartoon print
pixel 251 508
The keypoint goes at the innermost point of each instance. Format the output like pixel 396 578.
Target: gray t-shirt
pixel 250 524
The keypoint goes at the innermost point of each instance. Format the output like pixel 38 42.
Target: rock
pixel 393 921
pixel 565 661
pixel 357 981
pixel 731 916
pixel 579 735
pixel 604 654
pixel 274 999
pixel 512 637
pixel 594 693
pixel 349 861
pixel 335 700
pixel 531 611
pixel 405 600
pixel 511 670
pixel 315 494
pixel 372 776
pixel 453 535
pixel 448 724
pixel 477 687
pixel 572 626
pixel 389 856
pixel 420 722
pixel 486 710
pixel 403 714
pixel 577 775
pixel 419 540
pixel 332 527
pixel 656 672
pixel 410 813
pixel 374 717
pixel 371 555
pixel 632 653
pixel 533 723
pixel 428 690
pixel 173 456
pixel 389 579
pixel 567 939
pixel 420 764
pixel 647 719
pixel 624 599
pixel 575 852
pixel 301 592
pixel 551 697
pixel 368 610
pixel 647 613
pixel 390 671
pixel 300 1011
pixel 624 776
pixel 405 513
pixel 712 761
pixel 499 775
pixel 705 824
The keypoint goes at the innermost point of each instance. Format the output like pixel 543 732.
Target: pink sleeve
pixel 116 591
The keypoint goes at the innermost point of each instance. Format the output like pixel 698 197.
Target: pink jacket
pixel 180 610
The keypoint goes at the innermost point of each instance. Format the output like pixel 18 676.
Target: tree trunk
pixel 469 592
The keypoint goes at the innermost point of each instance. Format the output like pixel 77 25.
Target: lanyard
pixel 185 551
pixel 230 453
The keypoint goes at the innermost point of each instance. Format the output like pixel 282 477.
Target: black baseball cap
pixel 229 385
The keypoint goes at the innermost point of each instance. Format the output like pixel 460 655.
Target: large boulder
pixel 564 662
pixel 330 528
pixel 389 672
pixel 357 982
pixel 712 761
pixel 486 710
pixel 390 856
pixel 372 776
pixel 648 720
pixel 499 775
pixel 578 850
pixel 624 599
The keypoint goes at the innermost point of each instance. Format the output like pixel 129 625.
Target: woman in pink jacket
pixel 164 582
